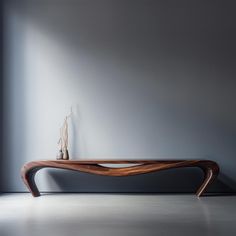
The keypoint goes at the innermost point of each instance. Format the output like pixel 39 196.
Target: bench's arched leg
pixel 28 179
pixel 211 171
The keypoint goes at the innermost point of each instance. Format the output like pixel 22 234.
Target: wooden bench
pixel 210 169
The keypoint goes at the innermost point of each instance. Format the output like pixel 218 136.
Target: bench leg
pixel 210 174
pixel 28 179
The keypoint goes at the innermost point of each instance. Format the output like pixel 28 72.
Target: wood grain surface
pixel 28 171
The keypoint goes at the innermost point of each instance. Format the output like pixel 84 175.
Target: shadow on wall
pixel 13 116
pixel 170 181
pixel 227 181
pixel 1 91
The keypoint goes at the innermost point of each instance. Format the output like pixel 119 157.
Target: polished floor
pixel 116 215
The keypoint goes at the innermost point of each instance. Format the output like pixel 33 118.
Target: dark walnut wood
pixel 210 169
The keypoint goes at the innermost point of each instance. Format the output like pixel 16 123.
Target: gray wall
pixel 1 81
pixel 146 80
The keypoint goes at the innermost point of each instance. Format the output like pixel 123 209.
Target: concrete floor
pixel 116 215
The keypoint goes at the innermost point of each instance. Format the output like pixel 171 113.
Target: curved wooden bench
pixel 210 169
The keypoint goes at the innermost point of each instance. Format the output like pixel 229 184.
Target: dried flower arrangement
pixel 63 141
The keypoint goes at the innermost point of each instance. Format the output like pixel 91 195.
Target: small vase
pixel 60 155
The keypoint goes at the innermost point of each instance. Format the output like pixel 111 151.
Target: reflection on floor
pixel 116 215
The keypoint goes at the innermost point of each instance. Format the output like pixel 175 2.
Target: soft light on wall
pixel 143 81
